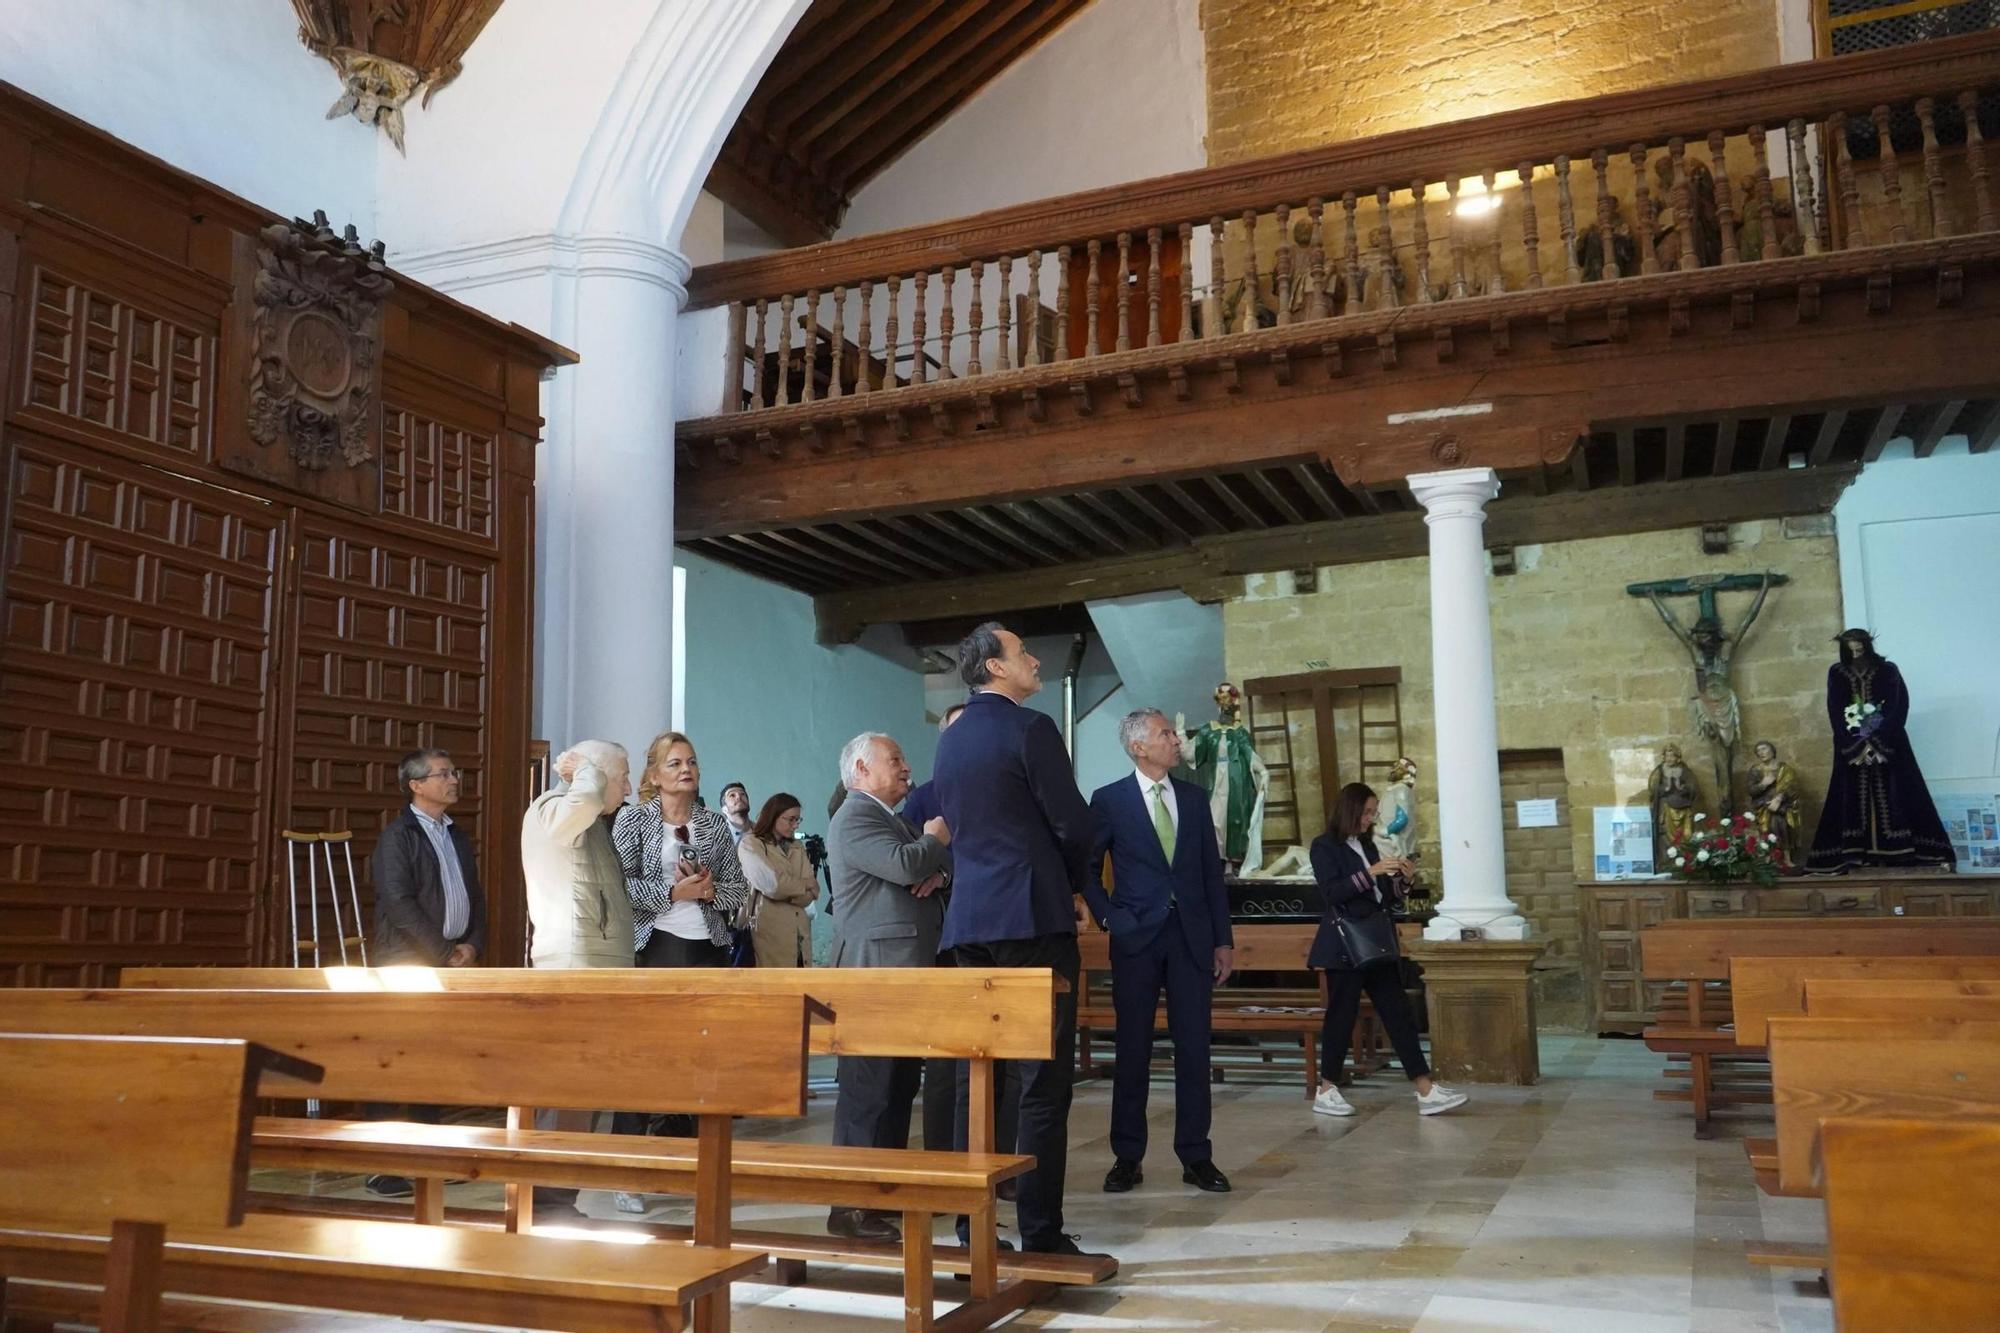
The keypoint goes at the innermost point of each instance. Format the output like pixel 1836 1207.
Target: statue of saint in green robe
pixel 1227 767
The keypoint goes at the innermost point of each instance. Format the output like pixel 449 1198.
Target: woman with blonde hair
pixel 775 863
pixel 680 864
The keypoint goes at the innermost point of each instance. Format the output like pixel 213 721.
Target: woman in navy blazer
pixel 1357 883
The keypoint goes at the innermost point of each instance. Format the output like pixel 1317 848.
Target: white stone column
pixel 1468 733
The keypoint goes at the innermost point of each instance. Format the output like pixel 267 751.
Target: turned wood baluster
pixel 1282 279
pixel 1892 179
pixel 1607 213
pixel 1805 198
pixel 890 330
pixel 1031 331
pixel 1643 205
pixel 1322 300
pixel 1062 302
pixel 1211 306
pixel 809 361
pixel 784 351
pixel 1566 218
pixel 1422 241
pixel 1975 153
pixel 757 352
pixel 1248 322
pixel 732 382
pixel 839 339
pixel 1850 184
pixel 1458 287
pixel 1767 214
pixel 1682 196
pixel 1006 329
pixel 1186 282
pixel 947 320
pixel 1933 169
pixel 1496 281
pixel 975 313
pixel 864 373
pixel 920 286
pixel 1090 300
pixel 1725 195
pixel 1352 257
pixel 1531 239
pixel 1152 286
pixel 1384 239
pixel 1124 298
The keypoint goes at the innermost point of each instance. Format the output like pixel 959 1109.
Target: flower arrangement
pixel 1731 848
pixel 1863 719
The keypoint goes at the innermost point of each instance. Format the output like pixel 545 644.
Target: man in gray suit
pixel 886 913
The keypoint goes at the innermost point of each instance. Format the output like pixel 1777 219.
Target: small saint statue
pixel 1878 810
pixel 1673 792
pixel 1774 800
pixel 1396 818
pixel 1226 764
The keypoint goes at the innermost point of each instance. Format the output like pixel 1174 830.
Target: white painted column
pixel 1468 733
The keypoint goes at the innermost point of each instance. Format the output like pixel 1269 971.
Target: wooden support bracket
pixel 1879 291
pixel 941 419
pixel 1559 328
pixel 1231 380
pixel 1618 320
pixel 1808 302
pixel 1442 340
pixel 899 424
pixel 1950 285
pixel 813 437
pixel 1742 310
pixel 1178 377
pixel 767 444
pixel 1678 317
pixel 1128 389
pixel 989 416
pixel 1385 348
pixel 725 449
pixel 1079 390
pixel 1032 404
pixel 1335 366
pixel 1502 334
pixel 856 434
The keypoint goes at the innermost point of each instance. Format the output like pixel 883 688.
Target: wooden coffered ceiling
pixel 856 84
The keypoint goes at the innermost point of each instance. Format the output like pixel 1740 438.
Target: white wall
pixel 219 88
pixel 1920 566
pixel 1116 94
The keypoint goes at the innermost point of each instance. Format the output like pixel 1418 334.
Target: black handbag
pixel 1367 940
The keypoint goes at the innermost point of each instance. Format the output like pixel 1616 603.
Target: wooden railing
pixel 1877 149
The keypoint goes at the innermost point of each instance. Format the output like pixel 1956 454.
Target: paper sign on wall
pixel 1535 814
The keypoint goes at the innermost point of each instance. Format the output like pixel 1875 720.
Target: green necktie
pixel 1163 823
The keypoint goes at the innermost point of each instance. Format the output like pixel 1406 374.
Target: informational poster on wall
pixel 1623 841
pixel 1972 822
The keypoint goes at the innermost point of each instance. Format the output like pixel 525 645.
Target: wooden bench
pixel 977 1014
pixel 729 1055
pixel 1914 1068
pixel 1698 954
pixel 1290 1011
pixel 1914 1243
pixel 1764 988
pixel 122 1168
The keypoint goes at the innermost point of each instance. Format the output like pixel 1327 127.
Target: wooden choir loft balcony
pixel 1700 302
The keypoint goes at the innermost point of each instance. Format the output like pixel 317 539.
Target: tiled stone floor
pixel 1579 1204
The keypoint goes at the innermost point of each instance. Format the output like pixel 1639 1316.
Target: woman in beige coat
pixel 774 861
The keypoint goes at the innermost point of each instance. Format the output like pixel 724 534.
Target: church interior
pixel 1552 424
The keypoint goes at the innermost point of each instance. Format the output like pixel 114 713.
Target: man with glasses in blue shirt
pixel 429 909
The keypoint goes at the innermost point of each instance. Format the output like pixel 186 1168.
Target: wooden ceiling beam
pixel 1201 513
pixel 1940 422
pixel 1981 431
pixel 808 574
pixel 838 67
pixel 912 535
pixel 1233 502
pixel 1318 491
pixel 755 196
pixel 994 45
pixel 1628 456
pixel 1776 429
pixel 1030 515
pixel 1830 425
pixel 993 527
pixel 1122 534
pixel 1511 520
pixel 1579 466
pixel 1888 421
pixel 876 69
pixel 1171 528
pixel 1676 449
pixel 963 534
pixel 733 553
pixel 811 548
pixel 1261 482
pixel 905 554
pixel 1722 462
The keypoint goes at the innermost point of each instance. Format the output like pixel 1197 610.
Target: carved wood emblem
pixel 312 330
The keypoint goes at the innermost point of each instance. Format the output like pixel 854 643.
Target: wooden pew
pixel 120 1139
pixel 1698 954
pixel 1291 1013
pixel 730 1055
pixel 1763 988
pixel 1913 1244
pixel 1917 1068
pixel 1944 999
pixel 977 1014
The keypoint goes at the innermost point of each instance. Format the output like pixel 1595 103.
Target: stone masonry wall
pixel 1289 74
pixel 1579 665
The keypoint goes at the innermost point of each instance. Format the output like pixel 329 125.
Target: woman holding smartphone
pixel 1359 883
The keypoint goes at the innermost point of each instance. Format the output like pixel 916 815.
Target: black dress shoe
pixel 1122 1176
pixel 1005 1246
pixel 1063 1245
pixel 860 1224
pixel 390 1187
pixel 1204 1175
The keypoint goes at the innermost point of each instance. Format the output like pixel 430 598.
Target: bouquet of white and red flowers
pixel 1731 848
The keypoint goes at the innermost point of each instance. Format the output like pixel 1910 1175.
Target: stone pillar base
pixel 1482 1008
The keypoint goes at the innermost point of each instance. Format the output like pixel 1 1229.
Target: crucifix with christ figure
pixel 1713 712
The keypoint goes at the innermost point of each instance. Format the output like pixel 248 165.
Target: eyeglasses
pixel 452 773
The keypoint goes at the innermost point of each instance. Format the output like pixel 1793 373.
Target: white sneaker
pixel 1330 1102
pixel 1439 1100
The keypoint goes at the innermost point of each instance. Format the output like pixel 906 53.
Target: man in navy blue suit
pixel 1021 842
pixel 1169 923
